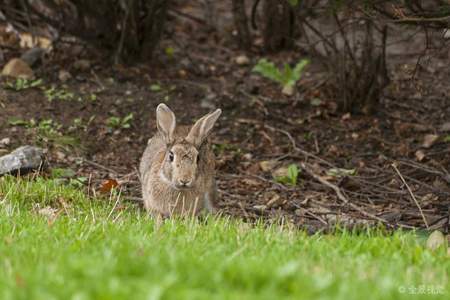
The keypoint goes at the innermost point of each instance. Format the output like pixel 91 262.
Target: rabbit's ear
pixel 165 121
pixel 202 128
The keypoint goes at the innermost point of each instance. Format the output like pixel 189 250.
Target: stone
pixel 17 68
pixel 5 142
pixel 63 75
pixel 33 56
pixel 242 60
pixel 288 90
pixel 436 240
pixel 22 160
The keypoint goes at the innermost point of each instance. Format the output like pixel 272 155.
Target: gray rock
pixel 33 56
pixel 22 160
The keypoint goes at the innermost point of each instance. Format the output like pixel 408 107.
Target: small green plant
pixel 93 97
pixel 169 52
pixel 286 77
pixel 447 139
pixel 57 94
pixel 78 182
pixel 155 87
pixel 79 123
pixel 120 123
pixel 45 131
pixel 291 177
pixel 23 84
pixel 62 173
pixel 221 148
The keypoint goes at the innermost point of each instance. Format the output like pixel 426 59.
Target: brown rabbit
pixel 177 167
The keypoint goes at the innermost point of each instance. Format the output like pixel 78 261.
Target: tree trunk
pixel 241 23
pixel 279 24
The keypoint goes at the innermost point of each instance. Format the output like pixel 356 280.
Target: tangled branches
pixel 128 28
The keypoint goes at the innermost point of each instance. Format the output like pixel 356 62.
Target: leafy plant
pixel 58 94
pixel 78 123
pixel 447 139
pixel 46 130
pixel 78 182
pixel 22 84
pixel 155 87
pixel 286 77
pixel 169 52
pixel 120 123
pixel 291 177
pixel 62 173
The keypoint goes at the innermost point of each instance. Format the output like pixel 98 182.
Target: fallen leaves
pixel 429 140
pixel 108 185
pixel 420 155
pixel 267 165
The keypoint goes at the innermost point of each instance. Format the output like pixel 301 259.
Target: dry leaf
pixel 429 140
pixel 275 201
pixel 260 207
pixel 420 155
pixel 251 182
pixel 280 172
pixel 267 165
pixel 108 185
pixel 345 117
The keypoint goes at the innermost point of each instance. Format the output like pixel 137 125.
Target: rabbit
pixel 177 169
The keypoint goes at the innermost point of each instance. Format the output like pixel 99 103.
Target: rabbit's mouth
pixel 183 185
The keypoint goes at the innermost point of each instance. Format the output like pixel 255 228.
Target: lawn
pixel 103 248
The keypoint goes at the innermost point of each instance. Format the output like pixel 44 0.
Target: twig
pixel 174 12
pixel 344 199
pixel 411 193
pixel 122 33
pixel 335 188
pixel 93 163
pixel 294 145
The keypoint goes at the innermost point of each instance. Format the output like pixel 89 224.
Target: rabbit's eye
pixel 171 156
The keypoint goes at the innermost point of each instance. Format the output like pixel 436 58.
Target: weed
pixel 120 123
pixel 45 131
pixel 78 123
pixel 291 177
pixel 155 87
pixel 286 77
pixel 23 84
pixel 58 94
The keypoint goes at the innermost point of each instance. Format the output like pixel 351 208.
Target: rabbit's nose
pixel 185 182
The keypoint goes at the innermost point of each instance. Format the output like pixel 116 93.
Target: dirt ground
pixel 391 167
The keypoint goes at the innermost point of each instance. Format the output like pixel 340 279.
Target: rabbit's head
pixel 183 154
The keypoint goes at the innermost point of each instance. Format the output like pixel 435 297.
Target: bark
pixel 241 23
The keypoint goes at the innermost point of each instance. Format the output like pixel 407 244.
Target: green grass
pixel 103 249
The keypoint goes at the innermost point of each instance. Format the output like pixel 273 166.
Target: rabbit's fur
pixel 177 167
